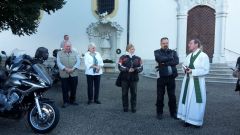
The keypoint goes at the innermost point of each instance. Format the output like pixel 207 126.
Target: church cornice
pixel 185 5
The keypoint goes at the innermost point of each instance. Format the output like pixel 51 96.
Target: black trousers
pixel 237 85
pixel 93 81
pixel 164 83
pixel 69 85
pixel 126 85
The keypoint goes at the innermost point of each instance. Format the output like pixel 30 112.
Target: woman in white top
pixel 94 63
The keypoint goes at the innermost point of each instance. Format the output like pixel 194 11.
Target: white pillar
pixel 220 33
pixel 117 56
pixel 181 35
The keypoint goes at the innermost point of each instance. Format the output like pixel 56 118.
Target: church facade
pixel 111 24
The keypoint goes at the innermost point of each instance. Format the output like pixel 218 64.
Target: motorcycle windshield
pixel 16 62
pixel 40 70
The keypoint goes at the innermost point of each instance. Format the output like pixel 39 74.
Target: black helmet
pixel 55 52
pixel 42 53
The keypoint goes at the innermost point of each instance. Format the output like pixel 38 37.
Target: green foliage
pixel 22 16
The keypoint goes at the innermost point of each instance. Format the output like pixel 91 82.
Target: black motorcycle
pixel 26 81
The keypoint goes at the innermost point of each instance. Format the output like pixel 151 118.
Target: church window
pixel 103 6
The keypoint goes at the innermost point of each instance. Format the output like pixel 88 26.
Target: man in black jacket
pixel 167 60
pixel 238 81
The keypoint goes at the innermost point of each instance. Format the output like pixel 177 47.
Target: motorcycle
pixel 25 82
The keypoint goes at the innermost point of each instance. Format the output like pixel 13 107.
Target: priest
pixel 192 99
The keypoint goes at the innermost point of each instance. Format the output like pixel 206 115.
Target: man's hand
pixel 131 70
pixel 189 71
pixel 97 69
pixel 68 70
pixel 94 66
pixel 71 70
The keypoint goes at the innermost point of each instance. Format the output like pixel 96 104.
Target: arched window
pixel 102 6
pixel 105 6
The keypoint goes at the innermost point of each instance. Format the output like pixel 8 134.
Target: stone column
pixel 118 43
pixel 181 35
pixel 220 32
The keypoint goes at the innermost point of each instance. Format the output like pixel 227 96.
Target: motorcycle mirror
pixel 3 52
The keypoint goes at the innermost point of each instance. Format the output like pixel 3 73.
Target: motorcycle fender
pixel 46 100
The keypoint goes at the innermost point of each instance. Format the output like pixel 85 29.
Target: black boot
pixel 186 124
pixel 159 116
pixel 174 116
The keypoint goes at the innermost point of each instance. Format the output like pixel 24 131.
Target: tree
pixel 22 16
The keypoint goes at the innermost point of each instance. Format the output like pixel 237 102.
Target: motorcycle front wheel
pixel 46 123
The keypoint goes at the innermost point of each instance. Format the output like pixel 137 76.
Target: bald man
pixel 68 62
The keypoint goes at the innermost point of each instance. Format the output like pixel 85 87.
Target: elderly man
pixel 192 100
pixel 68 62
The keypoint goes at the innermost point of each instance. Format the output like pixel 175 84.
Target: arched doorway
pixel 201 25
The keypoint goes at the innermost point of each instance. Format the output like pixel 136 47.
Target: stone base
pixel 109 67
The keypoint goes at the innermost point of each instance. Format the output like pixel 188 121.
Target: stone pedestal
pixel 109 67
pixel 106 35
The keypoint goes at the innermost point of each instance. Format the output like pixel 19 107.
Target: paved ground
pixel 222 115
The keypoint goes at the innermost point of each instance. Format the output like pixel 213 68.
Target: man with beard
pixel 167 60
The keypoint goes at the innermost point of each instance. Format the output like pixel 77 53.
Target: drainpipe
pixel 128 22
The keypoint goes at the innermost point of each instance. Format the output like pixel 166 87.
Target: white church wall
pixel 232 31
pixel 72 19
pixel 151 20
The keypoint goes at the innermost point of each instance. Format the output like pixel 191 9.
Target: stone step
pixel 220 80
pixel 209 76
pixel 213 75
pixel 213 68
pixel 215 81
pixel 208 79
pixel 211 65
pixel 219 73
pixel 223 74
pixel 214 71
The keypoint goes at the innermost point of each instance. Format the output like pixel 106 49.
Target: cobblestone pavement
pixel 222 115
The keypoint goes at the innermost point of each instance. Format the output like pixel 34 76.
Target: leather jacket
pixel 125 63
pixel 167 59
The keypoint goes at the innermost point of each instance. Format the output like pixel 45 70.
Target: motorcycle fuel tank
pixel 15 79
